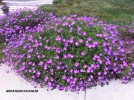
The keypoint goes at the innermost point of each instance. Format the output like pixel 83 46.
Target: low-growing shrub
pixel 18 22
pixel 73 53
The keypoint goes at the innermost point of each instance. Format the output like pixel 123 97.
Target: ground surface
pixel 22 4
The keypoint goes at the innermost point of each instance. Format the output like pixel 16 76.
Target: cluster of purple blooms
pixel 73 53
pixel 17 23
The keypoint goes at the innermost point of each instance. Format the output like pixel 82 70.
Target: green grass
pixel 1 48
pixel 111 11
pixel 0 1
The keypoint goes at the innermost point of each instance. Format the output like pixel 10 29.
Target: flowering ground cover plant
pixel 72 53
pixel 16 23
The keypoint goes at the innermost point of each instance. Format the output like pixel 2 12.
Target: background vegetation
pixel 111 11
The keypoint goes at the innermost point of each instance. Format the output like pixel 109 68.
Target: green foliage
pixel 1 48
pixel 0 1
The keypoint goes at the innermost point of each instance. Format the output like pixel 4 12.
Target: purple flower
pixel 70 56
pixel 71 70
pixel 38 74
pixel 80 41
pixel 95 43
pixel 90 46
pixel 89 70
pixel 91 23
pixel 45 67
pixel 100 61
pixel 85 66
pixel 115 69
pixel 64 56
pixel 84 33
pixel 64 77
pixel 99 73
pixel 73 22
pixel 28 56
pixel 49 61
pixel 65 48
pixel 78 29
pixel 89 39
pixel 58 67
pixel 33 77
pixel 41 63
pixel 76 64
pixel 58 38
pixel 76 43
pixel 104 44
pixel 133 65
pixel 83 53
pixel 57 57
